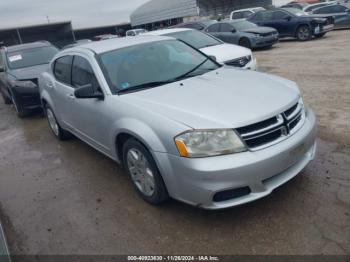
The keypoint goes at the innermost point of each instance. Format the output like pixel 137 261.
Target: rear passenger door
pixel 62 91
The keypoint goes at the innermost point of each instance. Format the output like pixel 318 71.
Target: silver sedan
pixel 182 125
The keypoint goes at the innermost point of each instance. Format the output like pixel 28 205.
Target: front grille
pixel 272 130
pixel 240 62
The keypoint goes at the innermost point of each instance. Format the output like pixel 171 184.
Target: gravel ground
pixel 66 198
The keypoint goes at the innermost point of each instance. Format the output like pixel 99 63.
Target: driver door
pixel 89 117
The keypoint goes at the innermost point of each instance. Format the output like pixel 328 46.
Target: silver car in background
pixel 182 125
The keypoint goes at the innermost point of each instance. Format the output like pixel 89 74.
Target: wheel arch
pixel 130 128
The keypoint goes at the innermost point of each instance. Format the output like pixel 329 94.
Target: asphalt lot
pixel 66 198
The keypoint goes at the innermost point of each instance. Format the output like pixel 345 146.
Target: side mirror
pixel 88 91
pixel 233 31
pixel 2 69
pixel 288 18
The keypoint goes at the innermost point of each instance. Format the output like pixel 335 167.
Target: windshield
pixel 296 11
pixel 152 64
pixel 31 57
pixel 195 38
pixel 243 25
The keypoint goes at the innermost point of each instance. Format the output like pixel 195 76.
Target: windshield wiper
pixel 191 71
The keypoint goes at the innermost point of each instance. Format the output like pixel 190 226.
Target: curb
pixel 4 251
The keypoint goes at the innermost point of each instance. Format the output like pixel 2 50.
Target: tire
pixel 6 99
pixel 21 112
pixel 56 129
pixel 144 173
pixel 245 42
pixel 303 33
pixel 320 35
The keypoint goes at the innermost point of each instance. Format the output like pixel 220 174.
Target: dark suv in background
pixel 20 67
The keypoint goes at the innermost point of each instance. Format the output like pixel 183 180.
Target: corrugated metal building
pixel 166 12
pixel 60 34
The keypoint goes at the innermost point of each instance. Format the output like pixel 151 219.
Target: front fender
pixel 139 130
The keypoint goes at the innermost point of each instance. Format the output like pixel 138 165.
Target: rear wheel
pixel 303 33
pixel 245 42
pixel 59 132
pixel 144 173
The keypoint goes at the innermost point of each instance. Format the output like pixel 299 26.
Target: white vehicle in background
pixel 228 54
pixel 135 32
pixel 245 13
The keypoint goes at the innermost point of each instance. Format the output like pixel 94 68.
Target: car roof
pixel 118 43
pixel 15 48
pixel 168 31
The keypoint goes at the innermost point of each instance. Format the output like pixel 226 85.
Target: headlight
pixel 205 143
pixel 25 84
pixel 257 35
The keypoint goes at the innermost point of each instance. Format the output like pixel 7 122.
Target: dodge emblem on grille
pixel 284 131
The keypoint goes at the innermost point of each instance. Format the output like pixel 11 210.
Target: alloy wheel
pixel 52 121
pixel 304 33
pixel 141 173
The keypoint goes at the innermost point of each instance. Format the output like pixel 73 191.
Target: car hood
pixel 259 30
pixel 226 52
pixel 224 98
pixel 29 72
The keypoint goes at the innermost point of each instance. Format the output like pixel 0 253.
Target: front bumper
pixel 321 29
pixel 264 41
pixel 27 98
pixel 197 181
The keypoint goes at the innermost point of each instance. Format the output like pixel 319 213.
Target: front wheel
pixel 59 132
pixel 21 112
pixel 144 173
pixel 6 99
pixel 245 42
pixel 303 33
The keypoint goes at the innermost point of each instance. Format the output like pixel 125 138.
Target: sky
pixel 82 13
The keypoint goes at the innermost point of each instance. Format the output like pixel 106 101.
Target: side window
pixel 247 14
pixel 339 9
pixel 82 73
pixel 279 15
pixel 214 28
pixel 324 10
pixel 237 15
pixel 62 69
pixel 264 16
pixel 226 28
